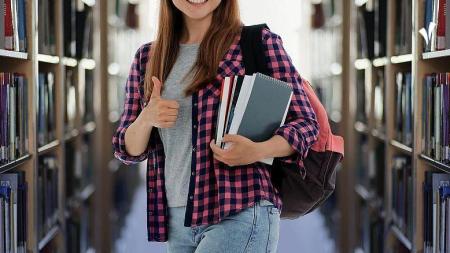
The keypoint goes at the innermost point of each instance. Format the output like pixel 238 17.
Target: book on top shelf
pixel 436 25
pixel 403 27
pixel 46 27
pixel 13 117
pixel 13 25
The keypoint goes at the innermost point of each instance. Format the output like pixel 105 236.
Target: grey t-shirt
pixel 177 140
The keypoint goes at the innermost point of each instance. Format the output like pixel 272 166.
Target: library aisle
pixel 303 233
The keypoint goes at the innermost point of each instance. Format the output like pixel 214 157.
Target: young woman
pixel 202 198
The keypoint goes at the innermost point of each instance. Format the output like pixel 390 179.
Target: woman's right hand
pixel 160 112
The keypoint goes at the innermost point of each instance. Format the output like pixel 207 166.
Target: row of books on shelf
pixel 13 116
pixel 372 25
pixel 46 108
pixel 13 200
pixel 402 190
pixel 79 166
pixel 404 111
pixel 78 29
pixel 372 28
pixel 371 230
pixel 436 109
pixel 436 30
pixel 47 192
pixel 436 212
pixel 13 25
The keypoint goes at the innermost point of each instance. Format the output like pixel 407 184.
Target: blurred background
pixel 380 68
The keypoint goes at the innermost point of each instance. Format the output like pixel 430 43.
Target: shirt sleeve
pixel 132 108
pixel 301 128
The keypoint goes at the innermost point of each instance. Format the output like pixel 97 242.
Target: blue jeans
pixel 253 230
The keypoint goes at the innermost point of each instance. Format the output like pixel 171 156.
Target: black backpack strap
pixel 253 50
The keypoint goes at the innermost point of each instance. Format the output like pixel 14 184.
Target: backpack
pixel 300 193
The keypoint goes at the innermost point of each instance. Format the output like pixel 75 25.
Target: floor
pixel 305 235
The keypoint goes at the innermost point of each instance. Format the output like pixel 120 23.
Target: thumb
pixel 156 92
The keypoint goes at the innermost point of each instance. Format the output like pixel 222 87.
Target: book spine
pixel 9 37
pixel 433 39
pixel 12 122
pixel 22 25
pixel 2 113
pixel 15 24
pixel 441 25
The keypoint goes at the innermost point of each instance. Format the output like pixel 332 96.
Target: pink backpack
pixel 301 191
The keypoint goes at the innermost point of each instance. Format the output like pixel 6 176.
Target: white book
pixel 433 38
pixel 15 24
pixel 241 103
pixel 223 110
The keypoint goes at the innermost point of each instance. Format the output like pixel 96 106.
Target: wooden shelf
pixel 401 147
pixel 69 62
pixel 380 62
pixel 362 64
pixel 437 165
pixel 51 59
pixel 48 147
pixel 436 54
pixel 401 237
pixel 88 128
pixel 407 58
pixel 87 64
pixel 13 54
pixel 379 135
pixel 73 134
pixel 11 165
pixel 48 237
pixel 361 127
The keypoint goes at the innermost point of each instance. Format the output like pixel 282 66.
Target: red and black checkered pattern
pixel 216 190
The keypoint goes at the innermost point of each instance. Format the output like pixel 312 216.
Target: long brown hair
pixel 224 27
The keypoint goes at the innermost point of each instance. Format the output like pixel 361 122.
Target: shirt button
pixel 193 173
pixel 150 213
pixel 195 104
pixel 150 189
pixel 193 149
pixel 195 126
pixel 191 197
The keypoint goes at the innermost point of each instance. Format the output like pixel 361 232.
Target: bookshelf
pixel 402 226
pixel 70 230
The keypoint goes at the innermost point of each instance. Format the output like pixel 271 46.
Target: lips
pixel 197 1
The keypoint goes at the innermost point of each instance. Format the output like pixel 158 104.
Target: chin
pixel 196 9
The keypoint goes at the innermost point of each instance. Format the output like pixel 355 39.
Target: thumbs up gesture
pixel 160 112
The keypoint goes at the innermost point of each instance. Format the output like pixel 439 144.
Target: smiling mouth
pixel 197 2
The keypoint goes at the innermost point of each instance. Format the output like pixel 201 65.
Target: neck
pixel 195 29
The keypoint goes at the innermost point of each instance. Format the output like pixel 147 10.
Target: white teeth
pixel 197 1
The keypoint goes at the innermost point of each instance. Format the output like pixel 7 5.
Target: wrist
pixel 264 150
pixel 143 123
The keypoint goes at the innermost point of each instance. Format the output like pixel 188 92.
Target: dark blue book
pixel 21 25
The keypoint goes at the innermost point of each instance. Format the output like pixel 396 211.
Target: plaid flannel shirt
pixel 216 190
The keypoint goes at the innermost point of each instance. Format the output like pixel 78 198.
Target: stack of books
pixel 402 190
pixel 245 108
pixel 436 30
pixel 47 187
pixel 404 108
pixel 46 109
pixel 436 124
pixel 13 212
pixel 13 117
pixel 437 212
pixel 13 26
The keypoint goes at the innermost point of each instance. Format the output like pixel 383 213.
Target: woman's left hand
pixel 242 151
